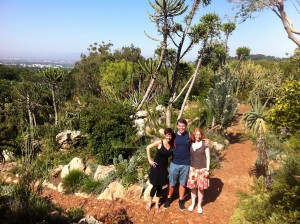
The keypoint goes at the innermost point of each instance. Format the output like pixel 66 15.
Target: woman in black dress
pixel 159 166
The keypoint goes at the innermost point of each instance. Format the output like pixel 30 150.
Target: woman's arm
pixel 148 148
pixel 207 153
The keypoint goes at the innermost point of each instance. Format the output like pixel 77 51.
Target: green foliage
pixel 116 216
pixel 131 53
pixel 255 120
pixel 221 104
pixel 254 76
pixel 76 214
pixel 281 204
pixel 98 186
pixel 242 52
pixel 10 73
pixel 119 77
pixel 285 112
pixel 127 170
pixel 73 181
pixel 109 127
pixel 285 192
pixel 86 71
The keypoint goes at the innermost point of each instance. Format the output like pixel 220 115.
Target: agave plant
pixel 255 121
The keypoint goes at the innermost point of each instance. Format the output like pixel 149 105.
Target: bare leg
pixel 193 197
pixel 148 206
pixel 181 192
pixel 200 199
pixel 171 191
pixel 157 205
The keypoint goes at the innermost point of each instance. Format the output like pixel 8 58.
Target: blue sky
pixel 66 28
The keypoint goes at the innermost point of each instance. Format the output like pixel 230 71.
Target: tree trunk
pixel 54 105
pixel 169 115
pixel 190 88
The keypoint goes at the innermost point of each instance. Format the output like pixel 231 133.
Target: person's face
pixel 198 136
pixel 168 137
pixel 181 127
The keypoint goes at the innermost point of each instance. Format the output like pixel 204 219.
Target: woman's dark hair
pixel 171 132
pixel 168 131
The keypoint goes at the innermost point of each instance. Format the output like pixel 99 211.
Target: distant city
pixel 37 63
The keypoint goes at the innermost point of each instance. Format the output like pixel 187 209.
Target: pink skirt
pixel 197 179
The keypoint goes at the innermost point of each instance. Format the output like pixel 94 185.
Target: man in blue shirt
pixel 180 165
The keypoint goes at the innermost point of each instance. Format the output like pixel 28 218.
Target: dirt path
pixel 219 202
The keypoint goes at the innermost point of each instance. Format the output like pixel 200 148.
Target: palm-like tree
pixel 255 120
pixel 53 77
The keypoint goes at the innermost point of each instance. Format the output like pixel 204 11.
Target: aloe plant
pixel 255 120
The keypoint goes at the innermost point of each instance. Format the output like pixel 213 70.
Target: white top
pixel 196 145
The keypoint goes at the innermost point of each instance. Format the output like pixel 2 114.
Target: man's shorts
pixel 180 172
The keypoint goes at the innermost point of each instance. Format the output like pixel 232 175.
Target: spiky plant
pixel 255 120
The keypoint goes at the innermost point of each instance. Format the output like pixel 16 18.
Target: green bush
pixel 285 112
pixel 75 214
pixel 280 204
pixel 98 186
pixel 73 181
pixel 220 102
pixel 27 206
pixel 127 170
pixel 109 126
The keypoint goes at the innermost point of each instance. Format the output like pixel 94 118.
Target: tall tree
pixel 247 9
pixel 166 11
pixel 54 77
pixel 208 29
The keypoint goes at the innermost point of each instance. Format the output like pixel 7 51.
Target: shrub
pixel 73 181
pixel 280 204
pixel 76 214
pixel 221 104
pixel 285 112
pixel 127 170
pixel 98 186
pixel 109 127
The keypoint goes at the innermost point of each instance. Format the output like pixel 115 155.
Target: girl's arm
pixel 207 153
pixel 148 148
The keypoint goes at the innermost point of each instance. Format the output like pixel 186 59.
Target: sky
pixel 66 28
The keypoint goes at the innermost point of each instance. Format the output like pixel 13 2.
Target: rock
pixel 75 164
pixel 140 126
pixel 141 114
pixel 89 220
pixel 88 170
pixel 133 193
pixel 103 171
pixel 60 188
pixel 105 195
pixel 161 131
pixel 160 108
pixel 147 191
pixel 57 171
pixel 67 138
pixel 114 191
pixel 218 147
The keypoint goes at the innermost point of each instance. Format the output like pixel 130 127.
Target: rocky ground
pixel 220 199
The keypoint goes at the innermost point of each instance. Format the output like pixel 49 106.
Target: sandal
pixel 148 207
pixel 158 210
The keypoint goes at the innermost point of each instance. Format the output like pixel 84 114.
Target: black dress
pixel 159 174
